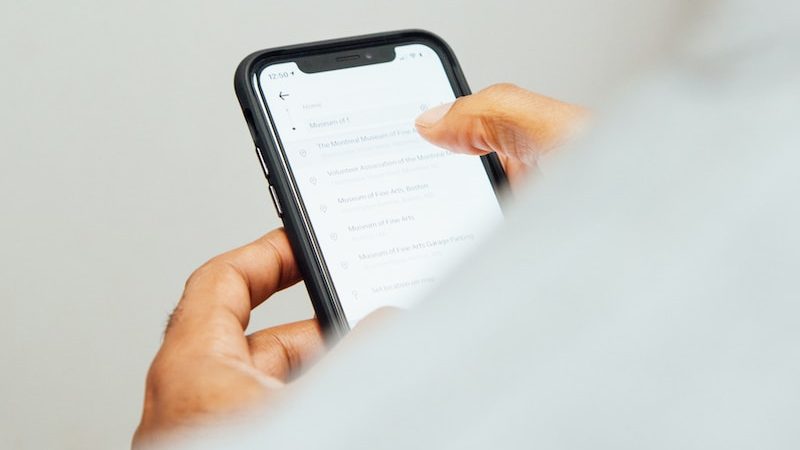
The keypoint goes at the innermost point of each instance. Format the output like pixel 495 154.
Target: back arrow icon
pixel 282 95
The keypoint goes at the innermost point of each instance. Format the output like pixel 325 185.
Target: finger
pixel 267 265
pixel 218 296
pixel 374 321
pixel 503 118
pixel 284 351
pixel 516 171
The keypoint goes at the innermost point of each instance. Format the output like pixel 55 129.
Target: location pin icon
pixel 303 152
pixel 313 180
pixel 323 208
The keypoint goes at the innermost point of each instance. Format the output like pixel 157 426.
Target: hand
pixel 207 367
pixel 517 124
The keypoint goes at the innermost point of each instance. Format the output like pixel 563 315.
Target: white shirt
pixel 644 293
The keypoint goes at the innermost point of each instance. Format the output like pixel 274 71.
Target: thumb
pixel 284 351
pixel 503 118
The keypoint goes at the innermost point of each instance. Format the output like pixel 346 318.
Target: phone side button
pixel 275 201
pixel 263 164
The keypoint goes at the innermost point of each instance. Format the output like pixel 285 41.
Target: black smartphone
pixel 375 214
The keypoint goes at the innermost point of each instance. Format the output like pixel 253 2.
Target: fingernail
pixel 430 117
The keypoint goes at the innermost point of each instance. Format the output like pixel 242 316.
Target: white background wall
pixel 125 163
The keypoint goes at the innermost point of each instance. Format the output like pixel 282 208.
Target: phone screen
pixel 390 212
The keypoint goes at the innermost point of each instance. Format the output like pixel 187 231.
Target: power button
pixel 275 201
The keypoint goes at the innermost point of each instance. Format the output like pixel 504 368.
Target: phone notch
pixel 344 59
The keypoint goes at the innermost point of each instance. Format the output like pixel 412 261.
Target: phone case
pixel 282 188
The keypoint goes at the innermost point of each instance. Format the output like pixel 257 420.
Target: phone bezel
pixel 276 167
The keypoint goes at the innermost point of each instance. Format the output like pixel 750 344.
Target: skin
pixel 518 125
pixel 208 369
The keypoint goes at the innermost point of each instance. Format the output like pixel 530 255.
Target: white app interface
pixel 392 213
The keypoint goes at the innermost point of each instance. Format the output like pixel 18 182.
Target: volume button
pixel 263 164
pixel 275 201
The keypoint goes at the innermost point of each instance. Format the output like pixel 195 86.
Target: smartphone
pixel 375 214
